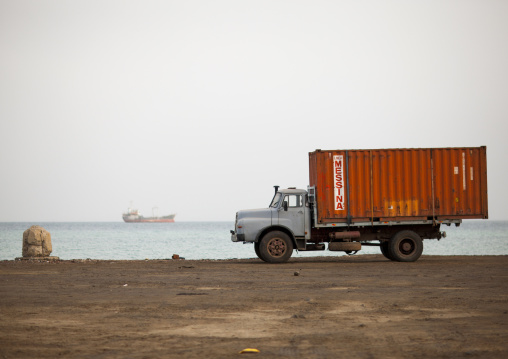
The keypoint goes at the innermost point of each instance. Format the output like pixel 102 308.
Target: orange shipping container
pixel 386 185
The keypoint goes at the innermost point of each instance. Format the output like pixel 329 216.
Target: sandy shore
pixel 352 307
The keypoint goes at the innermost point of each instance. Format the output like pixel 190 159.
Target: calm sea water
pixel 211 240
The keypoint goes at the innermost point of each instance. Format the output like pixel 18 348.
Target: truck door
pixel 293 218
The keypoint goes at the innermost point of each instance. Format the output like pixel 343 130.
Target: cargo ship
pixel 134 216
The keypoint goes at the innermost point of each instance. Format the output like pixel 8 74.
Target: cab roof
pixel 292 190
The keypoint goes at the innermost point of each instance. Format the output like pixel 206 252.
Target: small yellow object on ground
pixel 249 350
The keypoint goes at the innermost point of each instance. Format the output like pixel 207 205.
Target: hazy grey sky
pixel 200 107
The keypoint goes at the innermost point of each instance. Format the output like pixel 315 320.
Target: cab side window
pixel 294 200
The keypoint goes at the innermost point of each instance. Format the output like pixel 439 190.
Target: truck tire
pixel 384 250
pixel 256 249
pixel 275 247
pixel 405 246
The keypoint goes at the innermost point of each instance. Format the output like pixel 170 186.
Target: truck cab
pixel 280 228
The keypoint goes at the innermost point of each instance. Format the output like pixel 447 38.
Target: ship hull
pixel 149 220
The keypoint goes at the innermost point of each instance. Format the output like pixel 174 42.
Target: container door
pixel 294 217
pixel 458 187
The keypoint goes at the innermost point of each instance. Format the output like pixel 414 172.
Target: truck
pixel 391 198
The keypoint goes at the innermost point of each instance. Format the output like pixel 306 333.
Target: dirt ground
pixel 360 306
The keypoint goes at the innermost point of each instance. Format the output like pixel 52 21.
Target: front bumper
pixel 237 237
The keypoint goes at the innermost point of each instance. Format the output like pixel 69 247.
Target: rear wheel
pixel 405 246
pixel 275 247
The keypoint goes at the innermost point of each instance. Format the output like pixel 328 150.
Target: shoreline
pixel 291 260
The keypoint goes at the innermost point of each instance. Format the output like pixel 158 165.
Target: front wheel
pixel 256 249
pixel 275 247
pixel 405 246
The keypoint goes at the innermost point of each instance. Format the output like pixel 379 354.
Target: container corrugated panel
pixel 399 184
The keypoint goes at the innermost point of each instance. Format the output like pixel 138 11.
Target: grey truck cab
pixel 278 229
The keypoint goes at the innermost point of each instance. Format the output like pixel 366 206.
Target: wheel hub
pixel 276 247
pixel 407 246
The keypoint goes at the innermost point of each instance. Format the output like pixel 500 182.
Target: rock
pixel 298 316
pixel 36 242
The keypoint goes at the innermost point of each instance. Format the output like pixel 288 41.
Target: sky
pixel 200 107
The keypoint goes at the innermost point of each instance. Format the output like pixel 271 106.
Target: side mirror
pixel 285 206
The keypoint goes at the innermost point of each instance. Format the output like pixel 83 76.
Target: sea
pixel 212 240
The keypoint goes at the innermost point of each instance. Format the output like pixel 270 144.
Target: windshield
pixel 275 200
